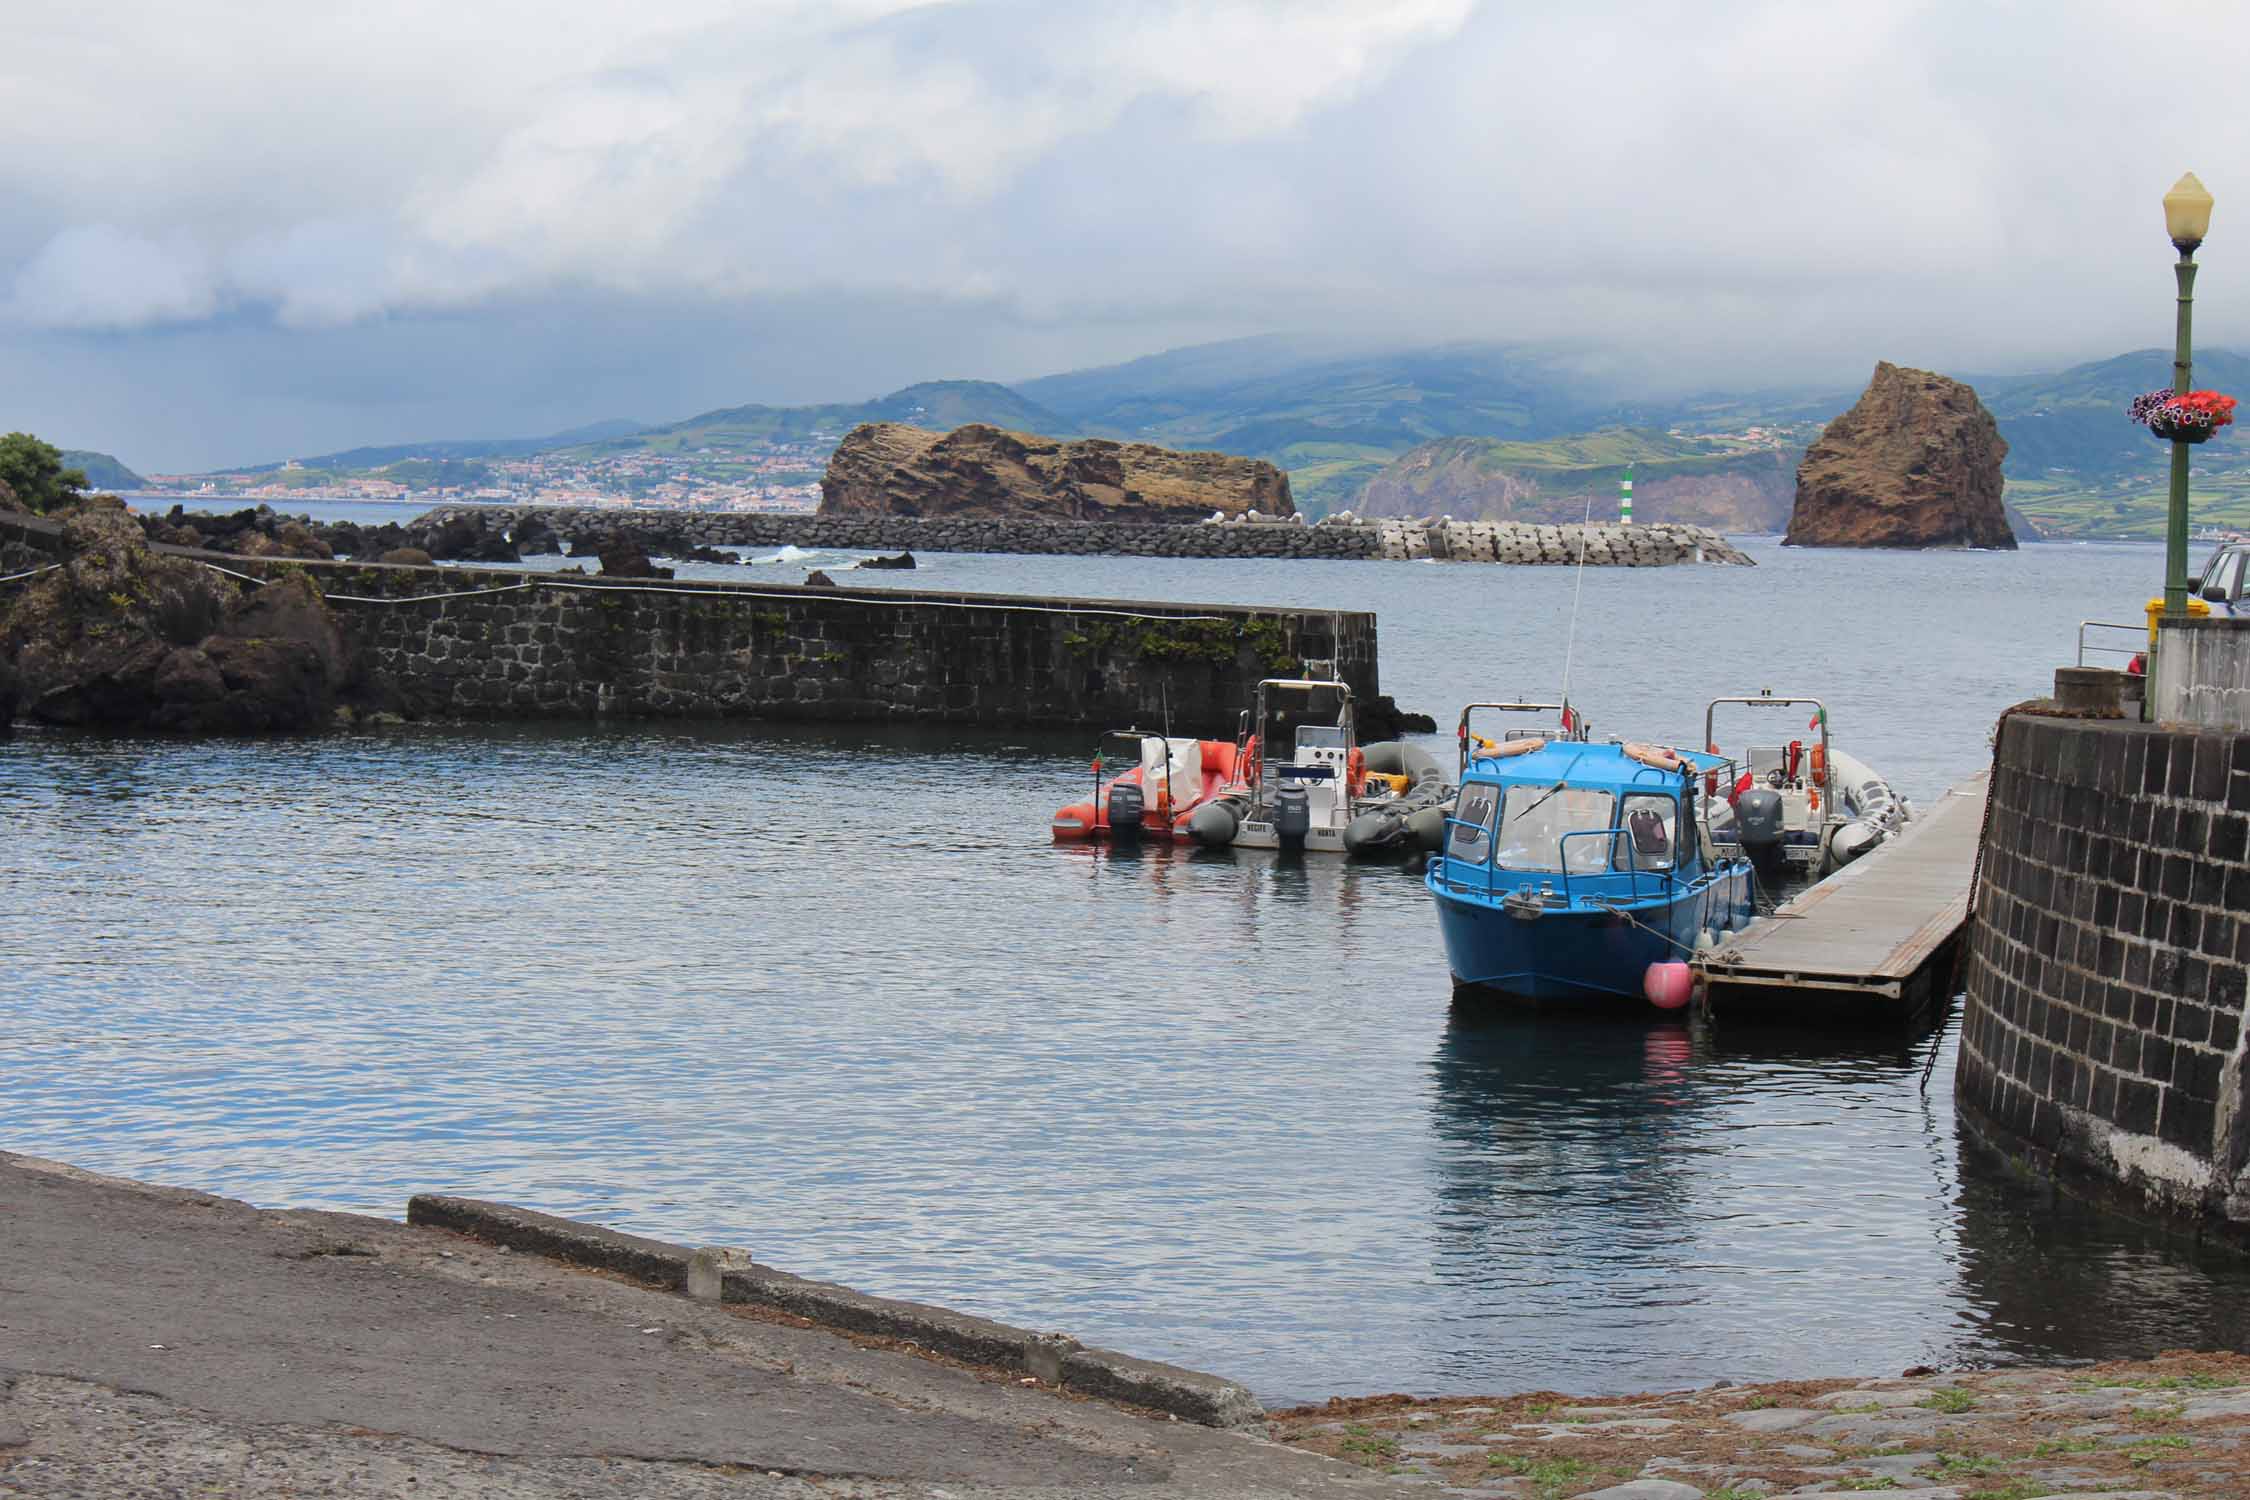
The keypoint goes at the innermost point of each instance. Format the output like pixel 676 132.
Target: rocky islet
pixel 891 469
pixel 1914 463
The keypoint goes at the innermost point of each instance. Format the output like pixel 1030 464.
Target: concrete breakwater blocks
pixel 667 532
pixel 1055 1359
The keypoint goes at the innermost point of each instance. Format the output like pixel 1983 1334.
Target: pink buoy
pixel 1668 985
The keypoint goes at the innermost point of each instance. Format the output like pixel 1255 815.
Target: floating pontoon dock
pixel 1878 935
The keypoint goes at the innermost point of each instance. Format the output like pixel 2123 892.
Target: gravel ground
pixel 2171 1428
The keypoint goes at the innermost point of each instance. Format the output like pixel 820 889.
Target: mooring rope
pixel 34 573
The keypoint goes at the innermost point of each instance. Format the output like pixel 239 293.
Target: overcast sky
pixel 252 228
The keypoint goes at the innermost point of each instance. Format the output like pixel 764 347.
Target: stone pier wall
pixel 2103 1039
pixel 512 645
pixel 666 531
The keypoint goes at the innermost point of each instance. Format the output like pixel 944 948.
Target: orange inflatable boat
pixel 1156 795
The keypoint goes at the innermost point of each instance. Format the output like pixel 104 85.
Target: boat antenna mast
pixel 1570 646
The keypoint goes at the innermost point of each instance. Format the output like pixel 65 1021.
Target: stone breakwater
pixel 673 533
pixel 487 644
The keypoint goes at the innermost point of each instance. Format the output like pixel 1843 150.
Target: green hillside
pixel 941 404
pixel 2080 468
pixel 1332 417
pixel 1701 481
pixel 102 471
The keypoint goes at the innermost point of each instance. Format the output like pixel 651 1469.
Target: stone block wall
pixel 2103 1038
pixel 510 645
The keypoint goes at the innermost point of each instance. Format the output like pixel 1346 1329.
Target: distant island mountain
pixel 102 471
pixel 1470 429
pixel 940 405
pixel 355 459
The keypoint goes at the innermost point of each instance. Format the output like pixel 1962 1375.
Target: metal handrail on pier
pixel 2139 634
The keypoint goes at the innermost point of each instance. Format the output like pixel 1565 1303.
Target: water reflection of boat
pixel 1554 1153
pixel 1575 871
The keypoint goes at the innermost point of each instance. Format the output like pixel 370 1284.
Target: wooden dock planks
pixel 1873 926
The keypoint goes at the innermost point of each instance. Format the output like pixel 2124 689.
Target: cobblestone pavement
pixel 2171 1428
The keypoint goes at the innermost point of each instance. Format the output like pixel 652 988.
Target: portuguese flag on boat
pixel 1819 719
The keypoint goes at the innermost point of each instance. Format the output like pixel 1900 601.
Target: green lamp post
pixel 2187 218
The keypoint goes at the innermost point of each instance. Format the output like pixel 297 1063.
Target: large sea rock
pixel 1915 463
pixel 124 637
pixel 891 469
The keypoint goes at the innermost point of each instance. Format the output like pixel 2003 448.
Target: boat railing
pixel 2097 646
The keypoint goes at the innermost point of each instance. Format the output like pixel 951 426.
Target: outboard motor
pixel 1125 810
pixel 1292 815
pixel 1758 828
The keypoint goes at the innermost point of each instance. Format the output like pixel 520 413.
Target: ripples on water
pixel 832 995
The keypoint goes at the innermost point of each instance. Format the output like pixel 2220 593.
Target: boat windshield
pixel 1534 819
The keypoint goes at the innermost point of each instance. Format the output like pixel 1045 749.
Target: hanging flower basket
pixel 2191 418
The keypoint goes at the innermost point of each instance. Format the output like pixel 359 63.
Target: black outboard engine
pixel 1292 816
pixel 1757 827
pixel 1125 810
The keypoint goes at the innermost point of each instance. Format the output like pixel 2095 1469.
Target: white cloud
pixel 98 276
pixel 1759 184
pixel 339 167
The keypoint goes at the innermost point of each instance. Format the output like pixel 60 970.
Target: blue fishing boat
pixel 1573 870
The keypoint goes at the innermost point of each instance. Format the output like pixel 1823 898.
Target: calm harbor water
pixel 831 994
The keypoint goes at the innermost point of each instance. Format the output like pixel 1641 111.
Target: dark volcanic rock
pixel 890 469
pixel 819 580
pixel 622 558
pixel 903 560
pixel 409 555
pixel 469 536
pixel 1382 719
pixel 11 690
pixel 124 637
pixel 9 502
pixel 534 537
pixel 1916 463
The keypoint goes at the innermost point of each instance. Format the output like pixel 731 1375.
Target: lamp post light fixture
pixel 2187 218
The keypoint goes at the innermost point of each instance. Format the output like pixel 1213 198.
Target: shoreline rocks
pixel 124 637
pixel 1915 463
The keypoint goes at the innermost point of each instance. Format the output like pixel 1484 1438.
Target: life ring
pixel 1513 747
pixel 1819 766
pixel 1663 757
